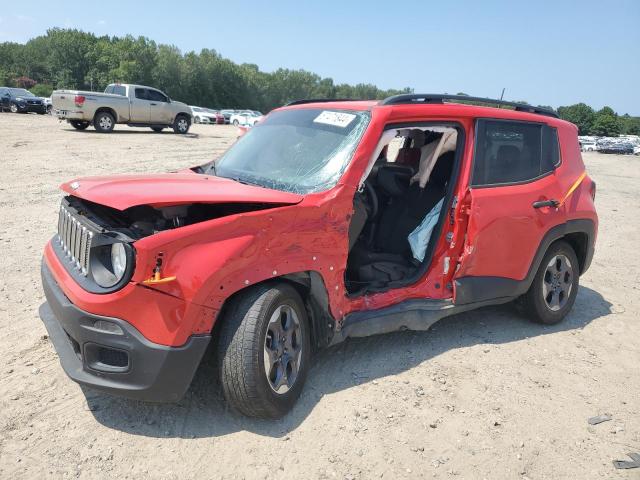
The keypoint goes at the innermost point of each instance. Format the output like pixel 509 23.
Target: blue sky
pixel 545 52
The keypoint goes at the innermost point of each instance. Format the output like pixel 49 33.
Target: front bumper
pixel 124 364
pixel 26 107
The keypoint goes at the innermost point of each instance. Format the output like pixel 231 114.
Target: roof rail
pixel 319 100
pixel 410 98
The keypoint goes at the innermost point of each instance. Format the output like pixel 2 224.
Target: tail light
pixel 79 100
pixel 592 190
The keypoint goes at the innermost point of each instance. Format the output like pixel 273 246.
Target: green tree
pixel 42 90
pixel 579 114
pixel 606 126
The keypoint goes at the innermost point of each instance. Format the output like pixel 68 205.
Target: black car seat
pixel 394 260
pixel 396 223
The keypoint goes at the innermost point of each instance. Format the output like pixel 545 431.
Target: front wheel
pixel 104 122
pixel 78 125
pixel 181 124
pixel 236 123
pixel 555 286
pixel 264 350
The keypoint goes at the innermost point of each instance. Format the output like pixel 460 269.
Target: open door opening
pixel 401 206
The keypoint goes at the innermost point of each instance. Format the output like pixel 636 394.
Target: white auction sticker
pixel 337 119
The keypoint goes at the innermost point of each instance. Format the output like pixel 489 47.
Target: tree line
pixel 69 58
pixel 74 59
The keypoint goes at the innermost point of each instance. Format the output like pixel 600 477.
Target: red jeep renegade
pixel 328 220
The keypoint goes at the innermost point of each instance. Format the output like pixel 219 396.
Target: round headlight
pixel 118 260
pixel 109 264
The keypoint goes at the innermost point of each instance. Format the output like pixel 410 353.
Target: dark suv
pixel 19 100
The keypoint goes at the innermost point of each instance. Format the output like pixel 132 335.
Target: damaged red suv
pixel 328 220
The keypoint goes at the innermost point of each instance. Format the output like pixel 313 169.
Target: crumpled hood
pixel 161 190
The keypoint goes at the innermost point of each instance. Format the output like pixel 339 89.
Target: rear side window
pixel 513 152
pixel 120 90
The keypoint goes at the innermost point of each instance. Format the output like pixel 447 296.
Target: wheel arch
pixel 108 110
pixel 310 285
pixel 183 114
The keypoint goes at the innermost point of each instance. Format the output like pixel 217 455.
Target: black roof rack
pixel 319 100
pixel 439 98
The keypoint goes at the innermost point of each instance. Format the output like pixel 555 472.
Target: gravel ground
pixel 481 395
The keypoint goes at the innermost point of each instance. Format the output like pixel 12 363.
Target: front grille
pixel 75 240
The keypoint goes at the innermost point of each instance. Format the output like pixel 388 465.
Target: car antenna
pixel 501 97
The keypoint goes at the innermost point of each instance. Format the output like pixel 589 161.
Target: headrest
pixel 418 137
pixel 507 154
pixel 408 156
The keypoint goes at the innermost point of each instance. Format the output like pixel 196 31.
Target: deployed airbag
pixel 421 235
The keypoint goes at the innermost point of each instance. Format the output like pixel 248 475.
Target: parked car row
pixel 207 115
pixel 622 145
pixel 239 118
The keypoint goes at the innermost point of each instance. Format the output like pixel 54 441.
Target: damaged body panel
pixel 304 225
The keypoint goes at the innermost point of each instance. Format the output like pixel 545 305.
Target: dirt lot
pixel 482 395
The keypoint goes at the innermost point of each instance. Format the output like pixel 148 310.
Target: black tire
pixel 245 334
pixel 554 290
pixel 236 123
pixel 157 129
pixel 181 124
pixel 49 108
pixel 104 122
pixel 13 108
pixel 79 125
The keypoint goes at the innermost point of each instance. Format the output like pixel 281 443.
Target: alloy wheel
pixel 557 282
pixel 105 122
pixel 183 125
pixel 283 349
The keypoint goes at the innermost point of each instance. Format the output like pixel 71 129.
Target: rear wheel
pixel 555 286
pixel 264 350
pixel 79 125
pixel 181 124
pixel 104 122
pixel 13 108
pixel 236 123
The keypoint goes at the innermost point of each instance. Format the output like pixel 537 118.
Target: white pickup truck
pixel 134 105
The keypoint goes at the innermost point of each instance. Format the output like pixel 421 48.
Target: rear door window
pixel 509 152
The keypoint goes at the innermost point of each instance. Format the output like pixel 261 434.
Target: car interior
pixel 400 201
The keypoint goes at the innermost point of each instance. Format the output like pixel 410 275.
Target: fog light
pixel 107 327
